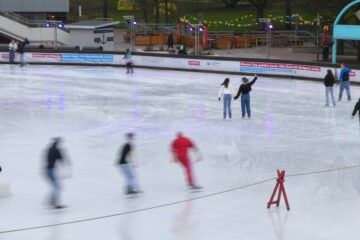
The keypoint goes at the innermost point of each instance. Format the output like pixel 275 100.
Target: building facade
pixel 37 9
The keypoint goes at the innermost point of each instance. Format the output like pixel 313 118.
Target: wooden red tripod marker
pixel 280 190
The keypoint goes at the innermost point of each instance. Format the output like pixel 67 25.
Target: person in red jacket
pixel 180 147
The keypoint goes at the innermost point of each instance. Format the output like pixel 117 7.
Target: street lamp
pixel 55 25
pixel 197 29
pixel 269 29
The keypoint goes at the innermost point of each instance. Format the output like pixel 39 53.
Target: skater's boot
pixel 349 98
pixel 339 99
pixel 195 187
pixel 59 206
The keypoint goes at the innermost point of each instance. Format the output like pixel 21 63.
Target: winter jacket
pixel 329 80
pixel 356 109
pixel 245 88
pixel 345 74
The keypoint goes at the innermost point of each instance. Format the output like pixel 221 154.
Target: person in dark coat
pixel 21 50
pixel 244 91
pixel 356 109
pixel 329 81
pixel 54 156
pixel 170 41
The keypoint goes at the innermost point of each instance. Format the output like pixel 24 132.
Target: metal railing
pixel 25 21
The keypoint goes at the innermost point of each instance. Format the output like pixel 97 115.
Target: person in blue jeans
pixel 329 82
pixel 127 165
pixel 344 79
pixel 226 90
pixel 244 91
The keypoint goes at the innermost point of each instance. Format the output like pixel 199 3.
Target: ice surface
pixel 92 108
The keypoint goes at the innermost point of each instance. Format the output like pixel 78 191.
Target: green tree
pixel 260 7
pixel 231 3
pixel 288 13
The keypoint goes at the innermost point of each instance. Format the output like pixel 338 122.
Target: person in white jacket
pixel 226 91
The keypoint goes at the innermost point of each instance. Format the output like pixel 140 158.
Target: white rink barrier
pixel 233 66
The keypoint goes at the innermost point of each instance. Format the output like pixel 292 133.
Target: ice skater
pixel 127 164
pixel 329 82
pixel 244 91
pixel 180 147
pixel 344 79
pixel 226 90
pixel 129 61
pixel 53 157
pixel 21 50
pixel 356 109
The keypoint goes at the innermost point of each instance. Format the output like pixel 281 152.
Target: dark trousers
pixel 245 105
pixel 11 56
pixel 129 68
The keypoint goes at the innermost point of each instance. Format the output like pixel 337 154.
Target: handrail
pixel 27 22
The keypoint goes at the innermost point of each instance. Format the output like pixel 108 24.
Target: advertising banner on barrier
pixel 86 58
pixel 231 66
pixel 282 69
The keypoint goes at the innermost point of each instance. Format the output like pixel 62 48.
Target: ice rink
pixel 93 107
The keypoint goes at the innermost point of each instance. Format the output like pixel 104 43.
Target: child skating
pixel 129 61
pixel 244 91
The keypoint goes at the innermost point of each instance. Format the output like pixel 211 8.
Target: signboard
pixel 269 69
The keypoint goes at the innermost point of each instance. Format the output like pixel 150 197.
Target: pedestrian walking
pixel 170 41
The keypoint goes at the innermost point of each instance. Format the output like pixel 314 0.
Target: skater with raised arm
pixel 344 80
pixel 127 164
pixel 180 147
pixel 226 91
pixel 329 82
pixel 54 157
pixel 244 91
pixel 129 61
pixel 356 109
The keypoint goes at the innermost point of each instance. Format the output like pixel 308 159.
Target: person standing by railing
pixel 12 50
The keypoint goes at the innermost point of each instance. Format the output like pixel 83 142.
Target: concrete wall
pixel 34 5
pixel 19 31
